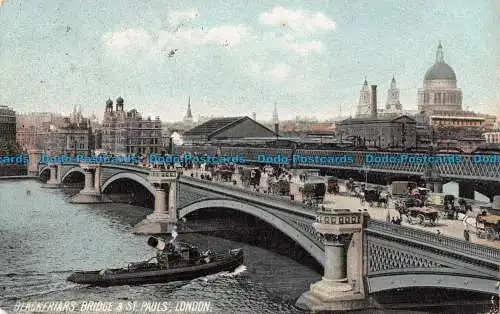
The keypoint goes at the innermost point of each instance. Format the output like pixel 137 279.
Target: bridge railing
pixel 487 254
pixel 256 195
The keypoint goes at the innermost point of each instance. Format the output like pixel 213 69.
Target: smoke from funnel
pixel 156 243
pixel 177 139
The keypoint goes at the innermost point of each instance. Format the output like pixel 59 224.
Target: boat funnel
pixel 156 243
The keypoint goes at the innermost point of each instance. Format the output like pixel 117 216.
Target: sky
pixel 234 57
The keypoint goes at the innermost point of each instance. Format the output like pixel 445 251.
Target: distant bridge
pixel 466 169
pixel 396 256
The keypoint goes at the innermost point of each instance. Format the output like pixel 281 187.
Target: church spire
pixel 275 114
pixel 189 115
pixel 439 53
pixel 276 120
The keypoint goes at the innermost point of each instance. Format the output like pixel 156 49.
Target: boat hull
pixel 110 278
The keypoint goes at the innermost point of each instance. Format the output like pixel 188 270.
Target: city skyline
pixel 235 59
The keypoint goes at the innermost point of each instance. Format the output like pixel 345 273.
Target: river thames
pixel 44 238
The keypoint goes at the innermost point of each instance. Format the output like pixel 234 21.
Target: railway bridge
pixel 479 173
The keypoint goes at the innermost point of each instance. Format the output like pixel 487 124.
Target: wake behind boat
pixel 174 262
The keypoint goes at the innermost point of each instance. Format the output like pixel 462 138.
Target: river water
pixel 43 239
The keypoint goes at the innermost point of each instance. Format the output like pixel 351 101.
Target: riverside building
pixel 128 132
pixel 7 129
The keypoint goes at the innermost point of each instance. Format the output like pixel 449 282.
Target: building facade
pixel 128 132
pixel 383 132
pixel 7 130
pixel 226 128
pixel 32 129
pixel 69 135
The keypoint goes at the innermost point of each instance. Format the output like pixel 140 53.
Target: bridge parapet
pixel 256 197
pixel 442 242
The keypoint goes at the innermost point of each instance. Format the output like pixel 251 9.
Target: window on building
pixel 82 146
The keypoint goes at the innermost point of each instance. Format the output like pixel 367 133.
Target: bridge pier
pixel 54 181
pixel 434 184
pixel 466 190
pixel 438 187
pixel 342 287
pixel 34 161
pixel 91 192
pixel 164 218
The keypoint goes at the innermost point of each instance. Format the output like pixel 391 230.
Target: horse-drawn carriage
pixel 332 185
pixel 279 186
pixel 224 172
pixel 350 185
pixel 250 176
pixel 488 226
pixel 422 215
pixel 306 174
pixel 313 192
pixel 375 195
pixel 435 201
pixel 401 189
pixel 403 204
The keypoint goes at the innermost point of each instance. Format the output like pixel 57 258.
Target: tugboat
pixel 173 262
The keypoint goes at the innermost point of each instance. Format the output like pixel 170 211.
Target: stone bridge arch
pixel 70 171
pixel 279 223
pixel 130 176
pixel 42 170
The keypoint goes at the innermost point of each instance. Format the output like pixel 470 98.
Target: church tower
pixel 393 105
pixel 188 118
pixel 365 104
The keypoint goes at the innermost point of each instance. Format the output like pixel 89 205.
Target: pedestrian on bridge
pixel 466 235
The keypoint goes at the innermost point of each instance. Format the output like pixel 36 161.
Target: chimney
pixel 374 101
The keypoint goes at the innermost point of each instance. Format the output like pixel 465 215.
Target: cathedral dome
pixel 440 71
pixel 109 102
pixel 119 100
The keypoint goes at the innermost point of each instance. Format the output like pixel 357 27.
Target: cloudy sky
pixel 236 56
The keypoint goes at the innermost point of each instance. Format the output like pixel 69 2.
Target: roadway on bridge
pixel 453 228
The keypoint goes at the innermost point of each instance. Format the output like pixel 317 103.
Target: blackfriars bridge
pixel 380 256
